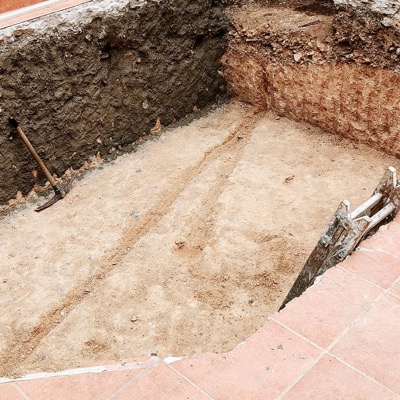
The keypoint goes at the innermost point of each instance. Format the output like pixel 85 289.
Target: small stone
pixel 19 196
pixel 157 127
pixel 321 46
pixel 297 57
pixel 289 179
pixel 135 214
pixel 134 319
pixel 180 244
pixel 386 22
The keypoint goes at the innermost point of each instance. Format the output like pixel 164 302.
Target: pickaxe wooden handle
pixel 28 144
pixel 59 191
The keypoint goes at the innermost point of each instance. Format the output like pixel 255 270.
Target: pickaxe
pixel 60 191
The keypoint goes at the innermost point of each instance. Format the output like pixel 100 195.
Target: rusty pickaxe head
pixel 59 193
pixel 59 190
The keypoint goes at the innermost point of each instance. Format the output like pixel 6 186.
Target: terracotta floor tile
pixel 82 387
pixel 8 392
pixel 332 380
pixel 394 226
pixel 373 344
pixel 161 383
pixel 397 219
pixel 329 306
pixel 24 15
pixel 384 247
pixel 373 271
pixel 396 289
pixel 261 368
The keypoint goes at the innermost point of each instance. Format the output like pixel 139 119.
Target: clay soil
pixel 314 32
pixel 185 246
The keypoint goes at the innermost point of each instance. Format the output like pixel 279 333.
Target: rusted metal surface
pixel 347 229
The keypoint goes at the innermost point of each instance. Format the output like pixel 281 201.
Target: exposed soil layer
pixel 96 85
pixel 387 10
pixel 185 246
pixel 337 71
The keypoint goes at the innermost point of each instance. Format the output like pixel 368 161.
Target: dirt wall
pixel 95 79
pixel 336 71
pixel 358 102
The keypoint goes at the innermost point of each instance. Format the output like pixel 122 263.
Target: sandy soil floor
pixel 185 246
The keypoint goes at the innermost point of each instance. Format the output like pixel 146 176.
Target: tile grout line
pixel 301 376
pixel 20 391
pixel 366 250
pixel 339 266
pixel 335 341
pixel 362 373
pixel 309 367
pixel 189 381
pixel 394 295
pixel 296 333
pixel 385 233
pixel 135 378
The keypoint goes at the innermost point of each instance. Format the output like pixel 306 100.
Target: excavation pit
pixel 189 244
pixel 185 246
